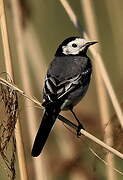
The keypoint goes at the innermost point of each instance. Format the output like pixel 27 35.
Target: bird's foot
pixel 79 130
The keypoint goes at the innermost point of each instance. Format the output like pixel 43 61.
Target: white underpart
pixel 68 49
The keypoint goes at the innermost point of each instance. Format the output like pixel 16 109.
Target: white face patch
pixel 74 47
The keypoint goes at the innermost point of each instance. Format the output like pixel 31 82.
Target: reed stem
pixel 8 64
pixel 92 28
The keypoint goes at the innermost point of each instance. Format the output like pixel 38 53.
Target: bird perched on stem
pixel 66 82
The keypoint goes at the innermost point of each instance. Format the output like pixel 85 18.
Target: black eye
pixel 74 45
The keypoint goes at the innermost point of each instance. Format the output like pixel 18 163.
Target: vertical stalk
pixel 26 82
pixel 37 57
pixel 8 64
pixel 90 20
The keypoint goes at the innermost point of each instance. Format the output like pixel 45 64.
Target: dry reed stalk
pixel 8 63
pixel 115 13
pixel 38 64
pixel 105 116
pixel 37 57
pixel 90 20
pixel 85 133
pixel 96 140
pixel 24 71
pixel 99 61
pixel 107 164
pixel 13 86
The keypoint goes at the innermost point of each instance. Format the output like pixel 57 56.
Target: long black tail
pixel 46 125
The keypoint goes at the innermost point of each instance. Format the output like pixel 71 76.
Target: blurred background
pixel 34 38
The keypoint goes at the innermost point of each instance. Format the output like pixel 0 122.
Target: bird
pixel 66 82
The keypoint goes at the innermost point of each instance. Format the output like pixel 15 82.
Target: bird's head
pixel 74 46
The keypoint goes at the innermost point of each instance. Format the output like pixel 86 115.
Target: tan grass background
pixel 44 24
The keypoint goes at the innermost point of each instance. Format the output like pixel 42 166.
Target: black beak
pixel 89 44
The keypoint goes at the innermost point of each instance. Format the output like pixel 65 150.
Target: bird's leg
pixel 80 126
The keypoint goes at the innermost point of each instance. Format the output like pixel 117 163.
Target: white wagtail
pixel 66 82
